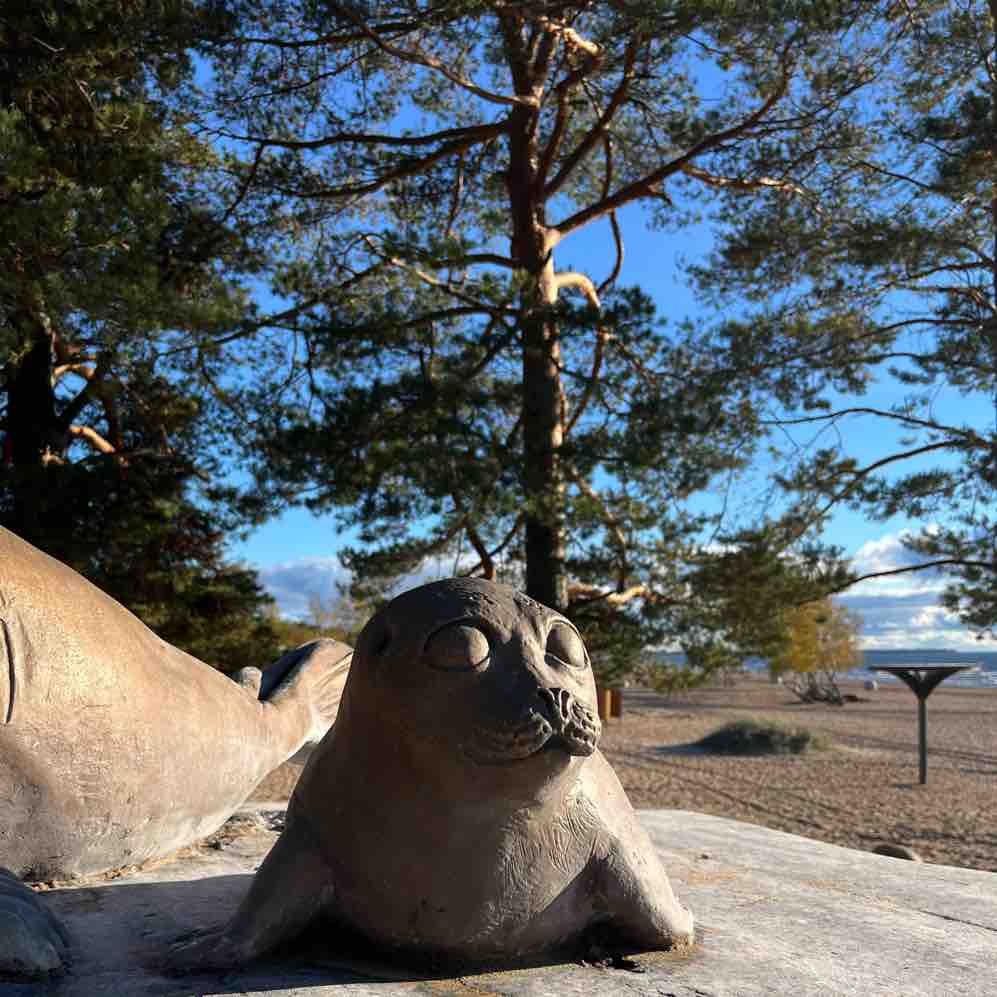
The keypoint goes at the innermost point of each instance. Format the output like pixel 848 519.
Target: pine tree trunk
pixel 546 580
pixel 543 403
pixel 31 422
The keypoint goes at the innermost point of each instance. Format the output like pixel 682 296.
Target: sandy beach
pixel 862 790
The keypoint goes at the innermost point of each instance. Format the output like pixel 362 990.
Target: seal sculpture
pixel 459 810
pixel 116 747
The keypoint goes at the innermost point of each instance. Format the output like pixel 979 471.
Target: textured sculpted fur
pixel 459 809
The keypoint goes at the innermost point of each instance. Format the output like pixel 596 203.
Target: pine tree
pixel 462 390
pixel 885 274
pixel 112 247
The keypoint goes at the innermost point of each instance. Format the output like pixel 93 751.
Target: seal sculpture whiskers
pixel 459 809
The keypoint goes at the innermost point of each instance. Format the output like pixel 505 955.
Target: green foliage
pixel 752 737
pixel 749 587
pixel 882 271
pixel 703 663
pixel 217 612
pixel 465 394
pixel 408 180
pixel 131 528
pixel 117 270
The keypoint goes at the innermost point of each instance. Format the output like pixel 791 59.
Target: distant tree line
pixel 406 182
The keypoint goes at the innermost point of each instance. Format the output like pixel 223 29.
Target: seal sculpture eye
pixel 458 648
pixel 566 647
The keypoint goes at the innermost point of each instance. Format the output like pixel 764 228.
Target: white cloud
pixel 902 611
pixel 889 553
pixel 934 617
pixel 293 582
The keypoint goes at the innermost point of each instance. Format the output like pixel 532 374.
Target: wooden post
pixel 604 699
pixel 616 703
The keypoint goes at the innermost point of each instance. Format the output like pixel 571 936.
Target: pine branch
pixel 645 186
pixel 597 132
pixel 957 562
pixel 425 59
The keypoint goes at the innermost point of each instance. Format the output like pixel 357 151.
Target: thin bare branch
pixel 588 392
pixel 581 594
pixel 618 264
pixel 955 562
pixel 90 435
pixel 84 370
pixel 611 522
pixel 740 183
pixel 485 563
pixel 645 186
pixel 571 278
pixel 471 135
pixel 598 130
pixel 76 406
pixel 968 435
pixel 419 58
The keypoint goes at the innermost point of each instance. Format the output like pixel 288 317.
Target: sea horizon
pixel 984 678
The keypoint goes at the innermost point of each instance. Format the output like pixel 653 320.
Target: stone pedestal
pixel 776 915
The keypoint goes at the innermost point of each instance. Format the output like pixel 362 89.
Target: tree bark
pixel 31 420
pixel 543 402
pixel 31 411
pixel 543 480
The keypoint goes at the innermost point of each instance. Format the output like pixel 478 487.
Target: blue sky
pixel 296 553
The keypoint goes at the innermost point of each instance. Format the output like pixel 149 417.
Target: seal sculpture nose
pixel 558 706
pixel 574 726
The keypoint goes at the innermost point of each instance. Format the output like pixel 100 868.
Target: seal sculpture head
pixel 480 671
pixel 460 810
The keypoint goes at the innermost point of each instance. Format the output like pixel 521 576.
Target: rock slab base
pixel 776 915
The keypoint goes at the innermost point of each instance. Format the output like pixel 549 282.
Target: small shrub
pixel 815 687
pixel 749 737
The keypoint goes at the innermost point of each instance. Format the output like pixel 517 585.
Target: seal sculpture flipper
pixel 292 887
pixel 630 881
pixel 309 678
pixel 459 810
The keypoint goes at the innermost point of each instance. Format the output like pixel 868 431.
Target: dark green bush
pixel 750 737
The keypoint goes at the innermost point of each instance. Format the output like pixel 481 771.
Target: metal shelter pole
pixel 922 680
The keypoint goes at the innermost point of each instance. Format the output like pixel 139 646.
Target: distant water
pixel 985 678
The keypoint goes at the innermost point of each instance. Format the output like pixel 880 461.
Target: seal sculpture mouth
pixel 563 723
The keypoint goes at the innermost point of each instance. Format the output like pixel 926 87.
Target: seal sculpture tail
pixel 312 675
pixel 116 747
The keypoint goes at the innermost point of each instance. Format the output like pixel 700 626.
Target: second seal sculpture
pixel 459 810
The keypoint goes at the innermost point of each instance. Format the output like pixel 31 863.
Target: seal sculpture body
pixel 459 809
pixel 116 747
